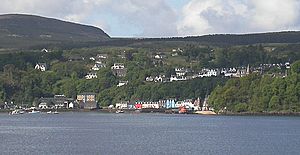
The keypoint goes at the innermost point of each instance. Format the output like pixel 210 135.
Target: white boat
pixel 50 112
pixel 15 112
pixel 119 111
pixel 34 112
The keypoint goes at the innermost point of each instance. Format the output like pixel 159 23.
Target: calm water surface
pixel 96 133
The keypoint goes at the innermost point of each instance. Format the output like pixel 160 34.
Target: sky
pixel 167 18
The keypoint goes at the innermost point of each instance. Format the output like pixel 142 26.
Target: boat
pixel 119 111
pixel 182 110
pixel 50 112
pixel 34 112
pixel 17 112
pixel 205 112
pixel 14 112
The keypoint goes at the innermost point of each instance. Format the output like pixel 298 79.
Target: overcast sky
pixel 164 18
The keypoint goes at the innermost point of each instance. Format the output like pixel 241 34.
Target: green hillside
pixel 25 31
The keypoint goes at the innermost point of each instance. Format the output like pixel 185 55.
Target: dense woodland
pixel 256 93
pixel 19 82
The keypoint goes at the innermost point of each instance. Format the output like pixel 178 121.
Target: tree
pixel 296 67
pixel 274 104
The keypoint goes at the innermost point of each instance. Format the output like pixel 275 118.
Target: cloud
pixel 275 14
pixel 152 18
pixel 238 16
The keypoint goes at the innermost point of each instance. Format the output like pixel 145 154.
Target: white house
pixel 160 78
pixel 45 50
pixel 149 79
pixel 41 66
pixel 71 105
pixel 97 66
pixel 118 66
pixel 157 56
pixel 91 75
pixel 122 83
pixel 150 105
pixel 92 58
pixel 102 56
pixel 122 105
pixel 43 105
pixel 287 65
pixel 208 72
pixel 180 71
pixel 177 78
pixel 186 103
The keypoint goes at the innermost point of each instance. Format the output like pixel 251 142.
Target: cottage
pixel 118 66
pixel 98 66
pixel 87 101
pixel 43 105
pixel 158 79
pixel 287 65
pixel 102 56
pixel 149 79
pixel 91 75
pixel 41 66
pixel 92 58
pixel 71 105
pixel 45 50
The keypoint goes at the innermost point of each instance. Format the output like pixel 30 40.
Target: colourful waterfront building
pixel 87 101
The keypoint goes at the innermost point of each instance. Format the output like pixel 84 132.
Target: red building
pixel 138 106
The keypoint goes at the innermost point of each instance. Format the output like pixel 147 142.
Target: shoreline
pixel 260 114
pixel 165 111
